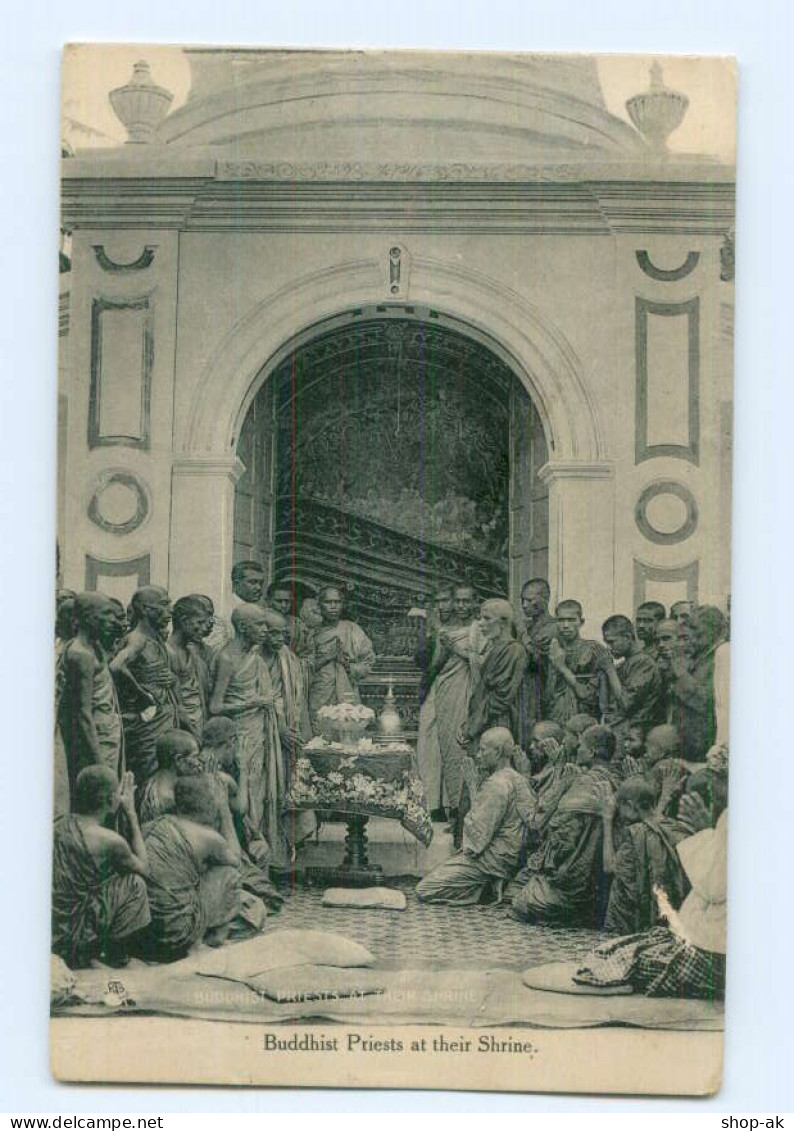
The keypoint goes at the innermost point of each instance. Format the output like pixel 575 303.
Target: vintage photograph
pixel 393 569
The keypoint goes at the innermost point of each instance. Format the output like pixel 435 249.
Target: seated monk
pixel 645 856
pixel 686 959
pixel 177 753
pixel 572 735
pixel 194 871
pixel 99 903
pixel 493 829
pixel 567 886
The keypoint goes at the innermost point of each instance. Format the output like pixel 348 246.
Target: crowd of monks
pixel 572 772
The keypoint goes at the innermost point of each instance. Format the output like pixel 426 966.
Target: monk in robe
pixel 568 887
pixel 648 617
pixel 553 778
pixel 495 698
pixel 692 686
pixel 493 830
pixel 192 621
pixel 343 656
pixel 292 715
pixel 686 959
pixel 460 646
pixel 147 687
pixel 429 659
pixel 99 901
pixel 177 755
pixel 194 871
pixel 248 583
pixel 89 714
pixel 297 636
pixel 536 634
pixel 635 684
pixel 243 692
pixel 579 669
pixel 641 856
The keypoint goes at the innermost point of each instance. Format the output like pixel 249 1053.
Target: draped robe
pixel 152 671
pixel 185 899
pixel 332 680
pixel 92 905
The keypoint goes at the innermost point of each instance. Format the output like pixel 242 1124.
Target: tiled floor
pixel 457 937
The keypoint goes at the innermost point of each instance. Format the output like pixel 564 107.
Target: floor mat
pixel 437 936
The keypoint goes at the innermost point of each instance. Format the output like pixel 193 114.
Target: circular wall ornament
pixel 666 512
pixel 119 503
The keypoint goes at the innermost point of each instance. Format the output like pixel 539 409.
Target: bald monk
pixel 243 691
pixel 147 686
pixel 99 902
pixel 89 714
pixel 343 655
pixel 194 871
pixel 288 679
pixel 493 830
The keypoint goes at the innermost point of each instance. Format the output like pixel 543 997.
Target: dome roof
pixel 397 106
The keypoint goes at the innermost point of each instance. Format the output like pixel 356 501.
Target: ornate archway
pixel 388 454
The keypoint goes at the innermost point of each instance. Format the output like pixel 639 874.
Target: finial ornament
pixel 658 111
pixel 141 105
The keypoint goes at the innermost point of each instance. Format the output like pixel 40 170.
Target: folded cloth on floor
pixel 558 977
pixel 276 949
pixel 316 983
pixel 365 897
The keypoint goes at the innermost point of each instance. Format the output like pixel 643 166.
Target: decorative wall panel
pixel 122 355
pixel 666 512
pixel 665 584
pixel 117 579
pixel 668 380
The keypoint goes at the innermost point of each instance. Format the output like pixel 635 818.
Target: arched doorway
pixel 390 451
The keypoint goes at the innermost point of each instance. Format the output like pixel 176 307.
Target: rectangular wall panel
pixel 121 368
pixel 667 380
pixel 668 585
pixel 117 579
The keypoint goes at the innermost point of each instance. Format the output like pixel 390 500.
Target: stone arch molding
pixel 535 349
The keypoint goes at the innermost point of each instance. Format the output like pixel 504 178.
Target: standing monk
pixel 192 621
pixel 343 655
pixel 292 717
pixel 647 619
pixel 429 658
pixel 146 684
pixel 244 693
pixel 88 713
pixel 578 681
pixel 296 633
pixel 494 699
pixel 692 688
pixel 539 629
pixel 460 644
pixel 248 582
pixel 635 686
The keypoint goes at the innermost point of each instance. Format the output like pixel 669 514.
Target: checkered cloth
pixel 656 963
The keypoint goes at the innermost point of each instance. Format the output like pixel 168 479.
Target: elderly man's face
pixel 490 752
pixel 490 623
pixel 681 611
